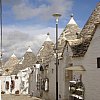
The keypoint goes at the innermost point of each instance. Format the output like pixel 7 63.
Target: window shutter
pixel 98 62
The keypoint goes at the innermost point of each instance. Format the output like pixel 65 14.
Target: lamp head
pixel 56 15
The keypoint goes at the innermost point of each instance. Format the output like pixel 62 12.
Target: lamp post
pixel 1 25
pixel 1 45
pixel 1 37
pixel 56 50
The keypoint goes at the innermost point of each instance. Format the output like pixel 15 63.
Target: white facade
pixel 63 83
pixel 34 80
pixel 16 84
pixel 5 84
pixel 90 77
pixel 24 80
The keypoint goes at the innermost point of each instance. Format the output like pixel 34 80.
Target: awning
pixel 76 68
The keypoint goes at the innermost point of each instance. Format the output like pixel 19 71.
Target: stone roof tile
pixel 69 33
pixel 46 51
pixel 87 33
pixel 28 61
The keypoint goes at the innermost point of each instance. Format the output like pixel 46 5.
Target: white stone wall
pixel 2 78
pixel 17 84
pixel 22 77
pixel 32 86
pixel 63 82
pixel 5 79
pixel 90 77
pixel 33 81
pixel 52 79
pixel 8 78
pixel 23 80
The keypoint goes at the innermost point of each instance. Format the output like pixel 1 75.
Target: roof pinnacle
pixel 72 21
pixel 13 55
pixel 72 15
pixel 48 33
pixel 29 49
pixel 48 38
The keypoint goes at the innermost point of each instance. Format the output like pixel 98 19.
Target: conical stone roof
pixel 10 64
pixel 46 51
pixel 28 60
pixel 69 33
pixel 87 33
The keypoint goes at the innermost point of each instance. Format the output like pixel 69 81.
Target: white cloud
pixel 12 2
pixel 44 10
pixel 17 39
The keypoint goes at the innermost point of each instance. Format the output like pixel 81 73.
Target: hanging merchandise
pixel 42 84
pixel 76 90
pixel 46 84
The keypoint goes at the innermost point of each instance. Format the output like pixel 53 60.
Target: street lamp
pixel 56 49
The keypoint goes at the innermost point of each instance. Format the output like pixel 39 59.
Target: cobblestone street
pixel 18 97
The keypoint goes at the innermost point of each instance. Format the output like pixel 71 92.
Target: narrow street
pixel 17 97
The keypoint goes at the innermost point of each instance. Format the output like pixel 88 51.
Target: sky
pixel 27 22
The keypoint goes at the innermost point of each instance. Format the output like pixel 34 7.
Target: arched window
pixel 7 85
pixel 16 77
pixel 42 84
pixel 12 84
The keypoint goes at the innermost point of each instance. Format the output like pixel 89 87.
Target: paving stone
pixel 17 97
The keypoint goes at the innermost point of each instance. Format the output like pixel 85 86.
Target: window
pixel 42 84
pixel 98 62
pixel 52 71
pixel 7 85
pixel 16 77
pixel 38 81
pixel 12 84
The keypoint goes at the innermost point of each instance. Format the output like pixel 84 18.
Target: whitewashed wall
pixel 8 78
pixel 63 83
pixel 90 77
pixel 17 83
pixel 2 78
pixel 33 81
pixel 5 79
pixel 23 80
pixel 52 79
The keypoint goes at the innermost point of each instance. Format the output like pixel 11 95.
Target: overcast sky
pixel 26 22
